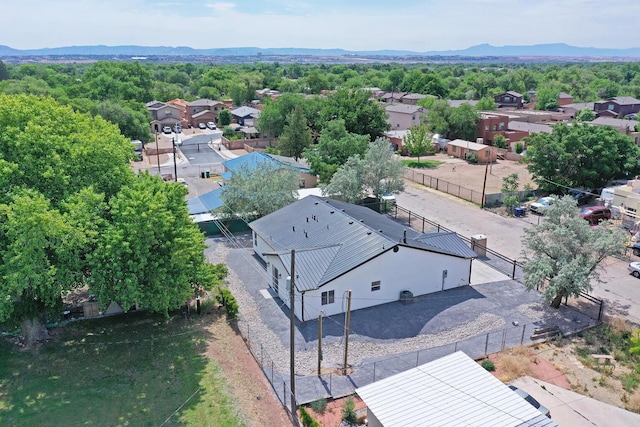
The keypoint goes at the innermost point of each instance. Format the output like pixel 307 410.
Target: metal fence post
pixel 417 357
pixel 522 338
pixel 486 345
pixel 374 372
pixel 513 275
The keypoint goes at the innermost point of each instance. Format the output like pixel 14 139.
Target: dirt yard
pixel 460 172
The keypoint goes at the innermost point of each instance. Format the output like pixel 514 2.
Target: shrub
pixel 307 419
pixel 319 405
pixel 226 298
pixel 630 381
pixel 514 366
pixel 519 147
pixel 634 402
pixel 488 365
pixel 349 411
pixel 471 158
pixel 500 141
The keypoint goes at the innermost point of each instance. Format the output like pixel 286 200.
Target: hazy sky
pixel 418 25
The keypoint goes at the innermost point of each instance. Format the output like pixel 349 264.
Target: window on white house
pixel 328 297
pixel 375 286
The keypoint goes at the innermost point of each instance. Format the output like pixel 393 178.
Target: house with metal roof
pixel 403 116
pixel 340 246
pixel 245 116
pixel 254 159
pixel 450 391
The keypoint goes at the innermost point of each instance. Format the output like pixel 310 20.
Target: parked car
pixel 596 214
pixel 166 130
pixel 581 196
pixel 533 402
pixel 202 126
pixel 634 268
pixel 211 125
pixel 542 204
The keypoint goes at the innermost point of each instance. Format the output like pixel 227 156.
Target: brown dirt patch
pixel 472 176
pixel 249 387
pixel 332 415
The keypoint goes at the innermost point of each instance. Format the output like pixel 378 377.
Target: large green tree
pixel 580 156
pixel 334 147
pixel 151 252
pixel 361 115
pixel 377 173
pixel 453 123
pixel 72 213
pixel 258 191
pixel 296 135
pixel 562 254
pixel 418 141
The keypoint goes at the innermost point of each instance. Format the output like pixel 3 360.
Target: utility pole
pixel 346 332
pixel 320 345
pixel 484 186
pixel 292 320
pixel 175 167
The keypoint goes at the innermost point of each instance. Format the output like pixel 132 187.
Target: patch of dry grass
pixel 514 364
pixel 634 402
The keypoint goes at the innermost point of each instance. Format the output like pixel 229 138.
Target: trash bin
pixel 518 212
pixel 207 174
pixel 406 297
pixel 202 175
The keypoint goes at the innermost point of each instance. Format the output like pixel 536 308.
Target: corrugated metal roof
pixel 445 242
pixel 244 111
pixel 355 234
pixel 252 160
pixel 205 203
pixel 451 391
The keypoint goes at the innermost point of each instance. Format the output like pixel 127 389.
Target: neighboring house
pixel 413 98
pixel 624 126
pixel 451 391
pixel 564 99
pixel 163 114
pixel 626 199
pixel 459 148
pixel 574 108
pixel 392 97
pixel 404 116
pixel 203 111
pixel 206 203
pixel 182 105
pixel 530 127
pixel 619 106
pixel 396 137
pixel 491 125
pixel 509 99
pixel 245 116
pixel 253 160
pixel 341 247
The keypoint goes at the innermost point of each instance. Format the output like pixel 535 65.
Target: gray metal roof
pixel 334 237
pixel 245 111
pixel 405 108
pixel 450 391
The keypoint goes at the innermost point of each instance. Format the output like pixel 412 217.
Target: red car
pixel 596 214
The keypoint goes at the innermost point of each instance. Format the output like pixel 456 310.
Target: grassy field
pixel 130 370
pixel 422 164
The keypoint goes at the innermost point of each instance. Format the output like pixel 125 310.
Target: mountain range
pixel 547 50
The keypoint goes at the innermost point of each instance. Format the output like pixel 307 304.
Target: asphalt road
pixel 619 289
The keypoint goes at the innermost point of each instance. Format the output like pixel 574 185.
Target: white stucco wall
pixel 408 269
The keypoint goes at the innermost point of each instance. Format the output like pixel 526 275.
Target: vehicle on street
pixel 581 196
pixel 533 402
pixel 596 214
pixel 211 125
pixel 542 204
pixel 634 268
pixel 166 130
pixel 202 126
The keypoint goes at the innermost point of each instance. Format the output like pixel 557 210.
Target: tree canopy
pixel 296 135
pixel 258 191
pixel 377 173
pixel 72 213
pixel 361 115
pixel 418 141
pixel 334 147
pixel 453 123
pixel 580 156
pixel 563 252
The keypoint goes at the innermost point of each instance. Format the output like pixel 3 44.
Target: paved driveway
pixel 620 290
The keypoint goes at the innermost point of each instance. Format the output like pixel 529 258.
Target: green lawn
pixel 422 164
pixel 131 370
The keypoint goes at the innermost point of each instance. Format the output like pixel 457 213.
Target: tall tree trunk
pixel 557 300
pixel 34 331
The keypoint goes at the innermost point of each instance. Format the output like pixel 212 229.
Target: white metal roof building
pixel 451 391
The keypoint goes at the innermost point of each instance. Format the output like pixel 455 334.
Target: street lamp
pixel 175 166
